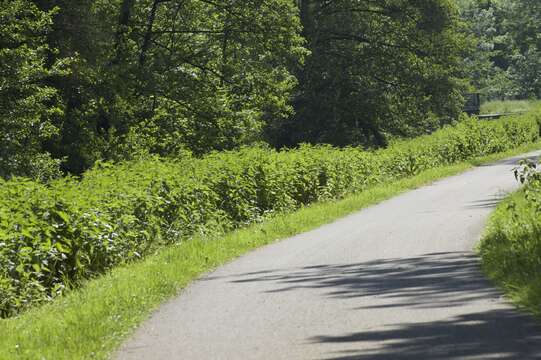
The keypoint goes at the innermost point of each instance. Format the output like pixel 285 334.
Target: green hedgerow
pixel 54 236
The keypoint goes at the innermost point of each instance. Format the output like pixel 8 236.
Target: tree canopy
pixel 506 59
pixel 89 80
pixel 27 102
pixel 376 69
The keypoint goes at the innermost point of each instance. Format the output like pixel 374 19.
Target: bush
pixel 511 247
pixel 54 236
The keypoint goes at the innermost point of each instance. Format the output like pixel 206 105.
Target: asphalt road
pixel 395 281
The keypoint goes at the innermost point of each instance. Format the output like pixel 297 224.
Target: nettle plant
pixel 528 173
pixel 55 236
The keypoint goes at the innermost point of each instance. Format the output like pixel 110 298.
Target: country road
pixel 399 280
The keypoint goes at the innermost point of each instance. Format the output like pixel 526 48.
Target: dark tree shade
pixel 376 70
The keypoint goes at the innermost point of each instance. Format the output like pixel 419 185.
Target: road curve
pixel 398 280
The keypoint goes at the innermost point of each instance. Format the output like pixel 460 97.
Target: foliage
pixel 508 106
pixel 159 77
pixel 95 320
pixel 377 70
pixel 54 236
pixel 482 24
pixel 523 21
pixel 27 103
pixel 505 62
pixel 511 247
pixel 93 80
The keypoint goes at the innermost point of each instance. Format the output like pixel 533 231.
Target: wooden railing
pixel 498 115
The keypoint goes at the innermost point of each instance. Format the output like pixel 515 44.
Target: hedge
pixel 54 236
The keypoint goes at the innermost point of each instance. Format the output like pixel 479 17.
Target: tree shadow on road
pixel 428 281
pixel 489 203
pixel 432 281
pixel 502 334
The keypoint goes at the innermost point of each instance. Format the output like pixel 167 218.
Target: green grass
pixel 511 252
pixel 508 106
pixel 90 323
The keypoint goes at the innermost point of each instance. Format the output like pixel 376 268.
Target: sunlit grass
pixel 511 250
pixel 508 106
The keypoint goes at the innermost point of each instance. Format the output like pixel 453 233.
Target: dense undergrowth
pixel 511 247
pixel 56 235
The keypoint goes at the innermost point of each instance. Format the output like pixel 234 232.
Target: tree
pixel 481 25
pixel 505 61
pixel 376 70
pixel 214 72
pixel 522 23
pixel 27 103
pixel 160 76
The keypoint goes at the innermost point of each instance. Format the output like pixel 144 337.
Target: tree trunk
pixel 225 41
pixel 148 34
pixel 123 22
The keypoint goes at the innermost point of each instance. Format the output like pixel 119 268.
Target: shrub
pixel 511 246
pixel 55 236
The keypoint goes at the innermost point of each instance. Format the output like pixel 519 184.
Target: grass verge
pixel 508 106
pixel 90 323
pixel 511 251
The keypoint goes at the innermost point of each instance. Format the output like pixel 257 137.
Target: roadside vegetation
pixel 91 322
pixel 508 106
pixel 504 61
pixel 511 246
pixel 55 236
